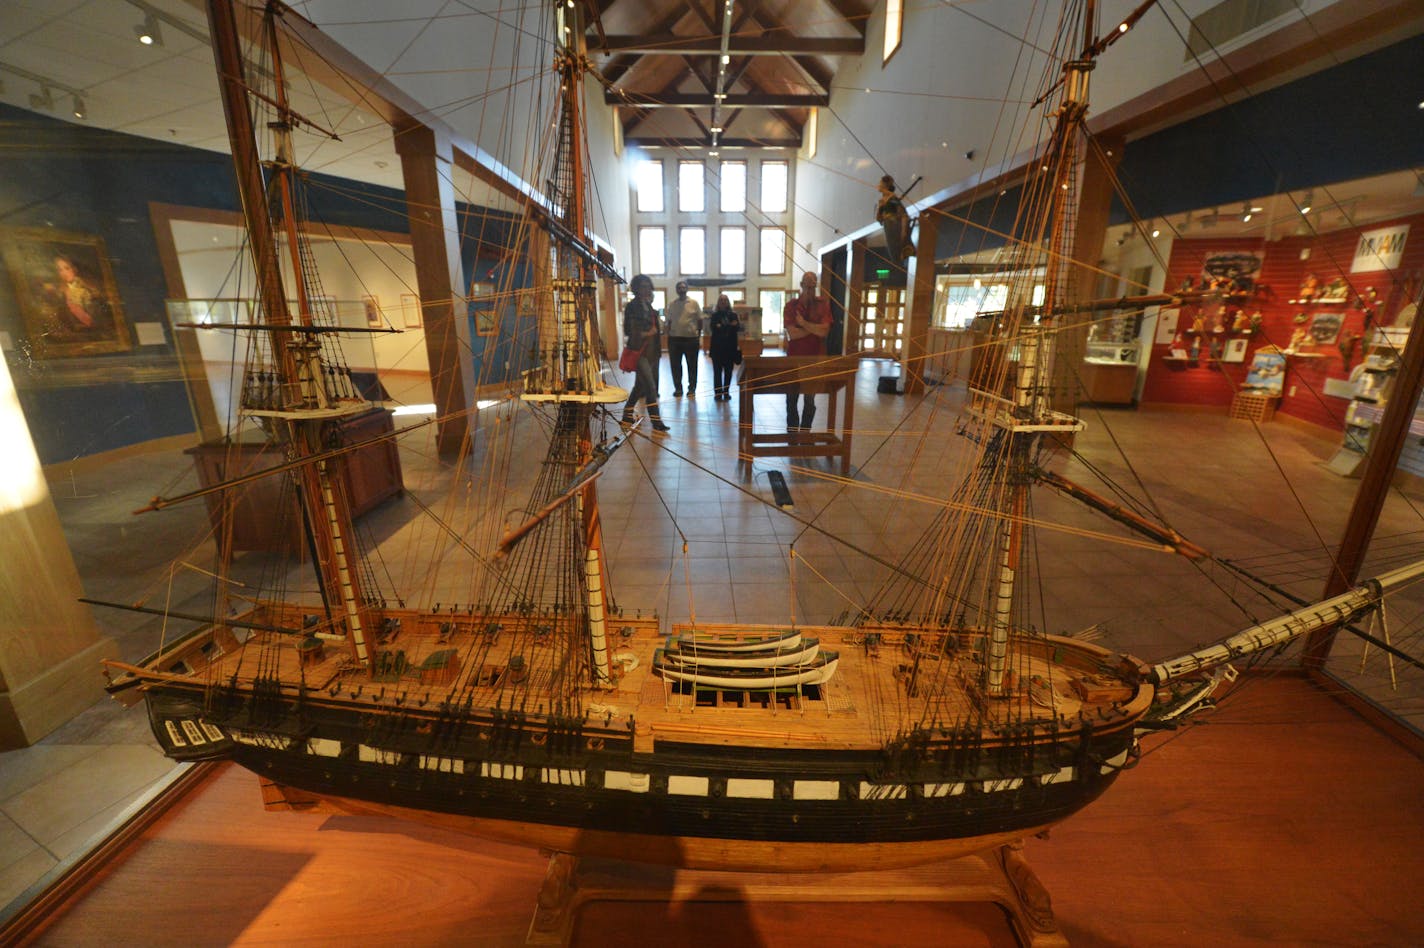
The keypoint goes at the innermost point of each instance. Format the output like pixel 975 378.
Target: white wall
pixel 962 81
pixel 215 265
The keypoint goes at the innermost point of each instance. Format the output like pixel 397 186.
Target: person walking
pixel 808 322
pixel 642 330
pixel 684 322
pixel 725 347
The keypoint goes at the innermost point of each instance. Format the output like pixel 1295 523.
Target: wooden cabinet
pixel 264 515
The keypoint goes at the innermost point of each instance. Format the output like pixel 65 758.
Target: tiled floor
pixel 708 542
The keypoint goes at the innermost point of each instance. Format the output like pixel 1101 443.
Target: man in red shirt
pixel 808 321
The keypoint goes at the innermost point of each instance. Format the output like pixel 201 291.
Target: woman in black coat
pixel 726 351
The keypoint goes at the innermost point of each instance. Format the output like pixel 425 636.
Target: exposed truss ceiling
pixel 704 73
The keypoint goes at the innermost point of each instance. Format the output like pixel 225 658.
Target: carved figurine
pixel 1241 323
pixel 1310 288
pixel 1300 341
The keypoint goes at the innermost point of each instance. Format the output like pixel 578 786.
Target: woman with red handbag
pixel 643 342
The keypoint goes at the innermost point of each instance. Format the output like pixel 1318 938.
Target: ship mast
pixel 1025 416
pixel 295 380
pixel 567 367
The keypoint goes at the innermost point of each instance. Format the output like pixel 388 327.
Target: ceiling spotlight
pixel 79 111
pixel 147 31
pixel 726 59
pixel 44 99
pixel 1305 202
pixel 1156 232
pixel 1122 27
pixel 716 129
pixel 713 153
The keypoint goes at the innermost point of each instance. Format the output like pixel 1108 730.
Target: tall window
pixel 692 250
pixel 648 178
pixel 659 299
pixel 894 27
pixel 691 186
pixel 772 302
pixel 699 297
pixel 733 198
pixel 652 255
pixel 734 250
pixel 773 186
pixel 773 251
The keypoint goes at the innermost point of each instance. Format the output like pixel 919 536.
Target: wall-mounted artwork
pixel 410 310
pixel 66 292
pixel 482 304
pixel 372 307
pixel 1267 375
pixel 1231 272
pixel 1325 328
pixel 1235 350
pixel 1166 325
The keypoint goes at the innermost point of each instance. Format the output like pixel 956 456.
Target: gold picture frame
pixel 64 285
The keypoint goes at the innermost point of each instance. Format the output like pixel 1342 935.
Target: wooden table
pixel 810 375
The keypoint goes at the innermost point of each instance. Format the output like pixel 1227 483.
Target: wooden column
pixel 426 165
pixel 1096 193
pixel 854 296
pixel 1380 465
pixel 919 308
pixel 50 647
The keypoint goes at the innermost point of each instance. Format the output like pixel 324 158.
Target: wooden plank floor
pixel 1278 822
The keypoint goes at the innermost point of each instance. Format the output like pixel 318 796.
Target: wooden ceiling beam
pixel 670 44
pixel 854 18
pixel 653 140
pixel 697 100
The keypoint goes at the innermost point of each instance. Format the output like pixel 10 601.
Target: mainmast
pixel 567 370
pixel 295 381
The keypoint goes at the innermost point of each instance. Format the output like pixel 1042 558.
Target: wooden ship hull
pixel 656 770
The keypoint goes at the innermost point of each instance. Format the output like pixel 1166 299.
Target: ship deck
pixel 887 680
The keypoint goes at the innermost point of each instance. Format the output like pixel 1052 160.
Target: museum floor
pixel 1343 791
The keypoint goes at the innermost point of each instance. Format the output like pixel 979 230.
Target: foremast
pixel 295 380
pixel 1026 415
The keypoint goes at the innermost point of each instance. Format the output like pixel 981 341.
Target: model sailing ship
pixel 936 724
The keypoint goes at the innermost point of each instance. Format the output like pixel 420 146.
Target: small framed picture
pixel 410 310
pixel 482 304
pixel 1235 350
pixel 372 307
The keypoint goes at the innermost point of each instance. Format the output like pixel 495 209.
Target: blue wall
pixel 69 177
pixel 1354 120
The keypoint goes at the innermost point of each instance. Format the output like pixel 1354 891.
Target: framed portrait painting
pixel 65 289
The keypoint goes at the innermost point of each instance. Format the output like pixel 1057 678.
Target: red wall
pixel 1206 382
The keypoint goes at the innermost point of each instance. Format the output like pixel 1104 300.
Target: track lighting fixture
pixel 147 32
pixel 79 111
pixel 1305 202
pixel 44 99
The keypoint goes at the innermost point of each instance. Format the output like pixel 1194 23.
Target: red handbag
pixel 628 361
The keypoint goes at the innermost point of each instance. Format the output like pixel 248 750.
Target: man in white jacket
pixel 684 322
